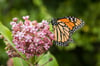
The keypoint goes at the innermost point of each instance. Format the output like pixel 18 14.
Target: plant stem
pixel 32 60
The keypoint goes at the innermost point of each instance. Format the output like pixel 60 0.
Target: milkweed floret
pixel 31 38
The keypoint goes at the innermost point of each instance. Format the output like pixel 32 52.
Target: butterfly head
pixel 54 21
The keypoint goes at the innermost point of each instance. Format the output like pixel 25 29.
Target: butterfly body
pixel 64 27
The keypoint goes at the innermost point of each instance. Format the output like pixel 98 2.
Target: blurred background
pixel 84 51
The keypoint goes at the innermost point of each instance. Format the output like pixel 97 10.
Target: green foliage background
pixel 85 51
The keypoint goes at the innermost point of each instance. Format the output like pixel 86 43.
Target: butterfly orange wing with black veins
pixel 63 29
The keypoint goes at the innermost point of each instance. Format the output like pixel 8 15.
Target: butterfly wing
pixel 73 23
pixel 62 35
pixel 64 27
pixel 78 23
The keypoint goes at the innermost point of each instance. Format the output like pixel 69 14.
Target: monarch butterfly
pixel 64 27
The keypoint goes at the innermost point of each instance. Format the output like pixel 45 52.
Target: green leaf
pixel 45 60
pixel 19 62
pixel 8 35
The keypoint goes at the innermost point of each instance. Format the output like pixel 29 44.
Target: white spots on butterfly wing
pixel 75 19
pixel 72 19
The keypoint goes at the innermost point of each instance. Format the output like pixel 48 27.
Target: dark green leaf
pixel 45 60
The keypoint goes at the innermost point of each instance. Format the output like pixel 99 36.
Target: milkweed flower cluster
pixel 31 38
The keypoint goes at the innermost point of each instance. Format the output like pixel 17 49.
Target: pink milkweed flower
pixel 30 37
pixel 25 17
pixel 15 19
